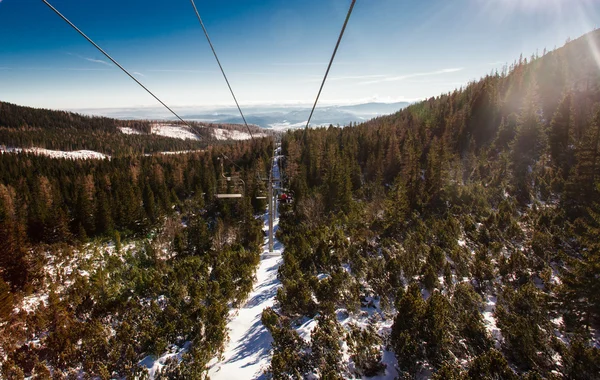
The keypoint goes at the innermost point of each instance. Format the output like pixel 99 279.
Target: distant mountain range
pixel 272 116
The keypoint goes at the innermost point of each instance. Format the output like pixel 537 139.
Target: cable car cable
pixel 114 61
pixel 331 61
pixel 221 67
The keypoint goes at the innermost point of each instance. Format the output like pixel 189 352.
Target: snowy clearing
pixel 74 155
pixel 248 352
pixel 129 131
pixel 490 320
pixel 225 134
pixel 174 131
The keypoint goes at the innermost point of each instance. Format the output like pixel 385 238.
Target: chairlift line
pixel 113 60
pixel 337 45
pixel 221 67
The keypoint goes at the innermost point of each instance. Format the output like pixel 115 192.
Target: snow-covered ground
pixel 156 365
pixel 130 131
pixel 285 125
pixel 490 320
pixel 248 351
pixel 225 134
pixel 74 155
pixel 174 131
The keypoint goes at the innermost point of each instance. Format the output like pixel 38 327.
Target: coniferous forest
pixel 455 239
pixel 64 231
pixel 462 233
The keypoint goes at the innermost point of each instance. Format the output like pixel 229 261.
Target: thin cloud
pixel 180 71
pixel 351 77
pixel 404 77
pixel 100 61
pixel 138 73
pixel 308 63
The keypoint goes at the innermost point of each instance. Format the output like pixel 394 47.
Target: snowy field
pixel 248 351
pixel 129 131
pixel 174 131
pixel 225 134
pixel 74 155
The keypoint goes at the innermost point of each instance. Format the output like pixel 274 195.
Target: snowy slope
pixel 173 131
pixel 129 131
pixel 75 155
pixel 248 352
pixel 225 134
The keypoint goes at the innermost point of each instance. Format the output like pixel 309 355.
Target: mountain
pixel 268 116
pixel 455 239
pixel 56 132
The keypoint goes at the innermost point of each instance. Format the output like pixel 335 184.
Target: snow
pixel 31 303
pixel 389 359
pixel 248 352
pixel 129 131
pixel 305 328
pixel 287 125
pixel 490 320
pixel 74 155
pixel 154 365
pixel 174 131
pixel 225 134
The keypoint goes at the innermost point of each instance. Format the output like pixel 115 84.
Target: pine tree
pixel 439 329
pixel 529 145
pixel 561 135
pixel 6 300
pixel 406 330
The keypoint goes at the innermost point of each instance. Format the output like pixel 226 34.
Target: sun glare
pixel 557 8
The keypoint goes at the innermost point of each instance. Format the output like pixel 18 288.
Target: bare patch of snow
pixel 490 320
pixel 225 134
pixel 174 131
pixel 74 155
pixel 155 365
pixel 129 131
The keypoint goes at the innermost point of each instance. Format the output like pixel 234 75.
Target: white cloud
pixel 91 59
pixel 138 73
pixel 98 61
pixel 351 77
pixel 408 76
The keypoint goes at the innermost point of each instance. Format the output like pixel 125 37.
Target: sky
pixel 273 51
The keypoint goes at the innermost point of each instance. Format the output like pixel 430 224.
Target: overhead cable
pixel 220 66
pixel 114 61
pixel 337 45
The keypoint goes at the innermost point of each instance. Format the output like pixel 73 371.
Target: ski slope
pixel 248 351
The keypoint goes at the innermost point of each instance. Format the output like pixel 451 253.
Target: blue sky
pixel 274 51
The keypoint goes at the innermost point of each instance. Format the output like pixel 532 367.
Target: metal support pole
pixel 271 208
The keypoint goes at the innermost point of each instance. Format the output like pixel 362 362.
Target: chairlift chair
pixel 229 187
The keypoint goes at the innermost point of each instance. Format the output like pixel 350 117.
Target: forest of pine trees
pixel 26 127
pixel 475 206
pixel 113 303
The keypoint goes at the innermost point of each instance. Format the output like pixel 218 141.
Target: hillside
pixel 459 235
pixel 25 127
pixel 108 268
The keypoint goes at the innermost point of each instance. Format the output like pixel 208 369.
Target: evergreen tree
pixel 561 135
